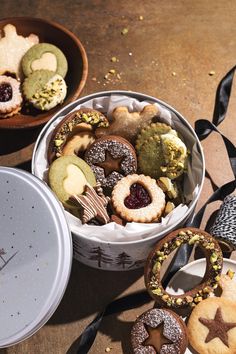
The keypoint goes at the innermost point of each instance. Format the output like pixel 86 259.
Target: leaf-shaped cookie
pixel 12 49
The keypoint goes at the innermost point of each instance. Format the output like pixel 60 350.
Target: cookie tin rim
pixel 63 269
pixel 140 96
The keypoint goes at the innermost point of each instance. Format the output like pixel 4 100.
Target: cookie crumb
pixel 124 31
pixel 130 54
pixel 114 59
pixel 112 71
pixel 211 73
pixel 141 18
pixel 94 79
pixel 174 73
pixel 108 349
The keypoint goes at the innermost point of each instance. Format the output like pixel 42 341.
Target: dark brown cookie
pixel 159 331
pixel 111 158
pixel 83 119
pixel 164 248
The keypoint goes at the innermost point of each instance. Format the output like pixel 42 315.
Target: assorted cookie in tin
pixel 138 161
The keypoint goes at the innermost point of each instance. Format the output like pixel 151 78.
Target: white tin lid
pixel 35 254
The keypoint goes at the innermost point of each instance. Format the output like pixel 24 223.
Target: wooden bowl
pixel 74 51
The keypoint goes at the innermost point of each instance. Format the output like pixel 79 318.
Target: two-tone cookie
pixel 159 331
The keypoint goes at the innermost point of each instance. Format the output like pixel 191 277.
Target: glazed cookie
pixel 126 124
pixel 159 331
pixel 138 198
pixel 12 49
pixel 10 96
pixel 44 89
pixel 164 248
pixel 44 56
pixel 111 158
pixel 82 120
pixel 212 326
pixel 68 175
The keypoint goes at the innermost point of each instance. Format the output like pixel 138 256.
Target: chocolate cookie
pixel 164 248
pixel 111 158
pixel 84 119
pixel 159 331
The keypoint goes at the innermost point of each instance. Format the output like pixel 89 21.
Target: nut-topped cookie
pixel 164 248
pixel 83 119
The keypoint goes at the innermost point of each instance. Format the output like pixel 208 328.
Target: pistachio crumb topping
pixel 215 264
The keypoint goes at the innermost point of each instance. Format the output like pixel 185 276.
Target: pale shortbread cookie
pixel 128 124
pixel 148 213
pixel 12 49
pixel 212 326
pixel 10 96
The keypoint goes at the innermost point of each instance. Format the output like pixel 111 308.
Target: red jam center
pixel 138 198
pixel 5 92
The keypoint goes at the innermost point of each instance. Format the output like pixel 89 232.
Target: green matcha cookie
pixel 151 130
pixel 44 89
pixel 164 155
pixel 175 155
pixel 68 175
pixel 150 157
pixel 44 56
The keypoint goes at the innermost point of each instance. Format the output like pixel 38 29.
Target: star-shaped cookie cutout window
pixel 218 328
pixel 110 164
pixel 156 337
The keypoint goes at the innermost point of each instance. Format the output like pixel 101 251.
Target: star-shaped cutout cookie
pixel 217 327
pixel 156 337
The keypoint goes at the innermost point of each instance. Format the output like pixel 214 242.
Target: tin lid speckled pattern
pixel 35 254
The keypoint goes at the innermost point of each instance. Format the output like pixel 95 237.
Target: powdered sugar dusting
pixel 97 154
pixel 153 318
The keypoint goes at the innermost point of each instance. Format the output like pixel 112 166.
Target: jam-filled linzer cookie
pixel 212 326
pixel 74 123
pixel 111 158
pixel 159 331
pixel 138 198
pixel 167 245
pixel 10 96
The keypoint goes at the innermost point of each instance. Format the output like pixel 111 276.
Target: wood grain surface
pixel 177 51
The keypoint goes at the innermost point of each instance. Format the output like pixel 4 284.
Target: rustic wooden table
pixel 176 51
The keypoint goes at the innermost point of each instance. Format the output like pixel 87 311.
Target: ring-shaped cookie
pixel 148 213
pixel 214 261
pixel 64 130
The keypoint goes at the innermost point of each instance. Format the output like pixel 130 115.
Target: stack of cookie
pixel 30 72
pixel 135 160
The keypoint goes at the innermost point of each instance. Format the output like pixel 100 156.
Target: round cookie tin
pixel 121 255
pixel 35 254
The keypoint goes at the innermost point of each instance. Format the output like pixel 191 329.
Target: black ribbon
pixel 203 128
